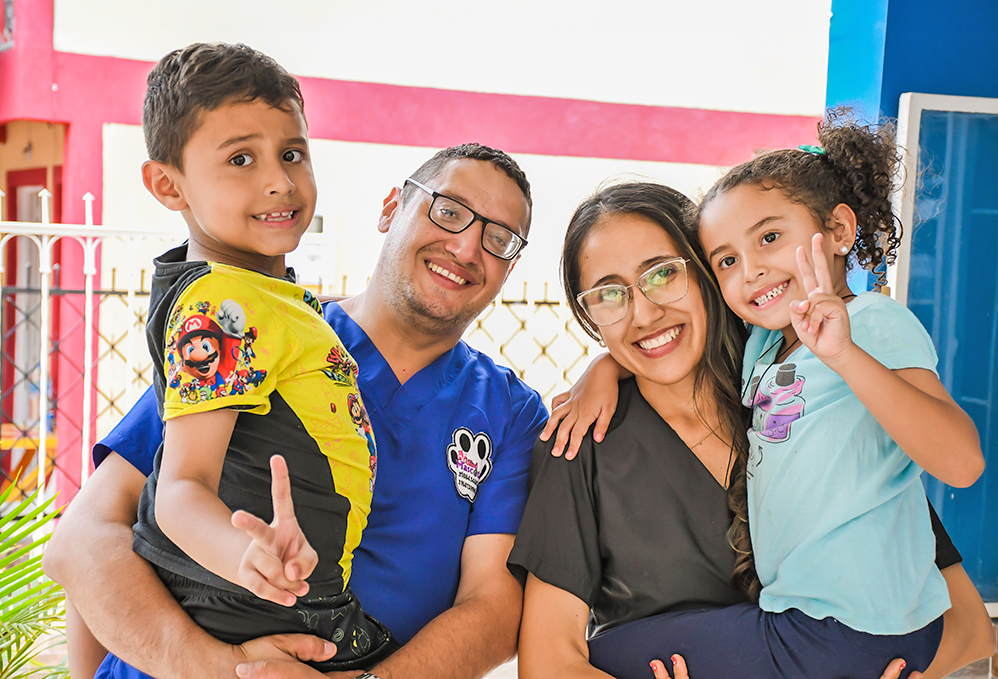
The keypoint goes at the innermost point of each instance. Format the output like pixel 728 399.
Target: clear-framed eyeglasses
pixel 451 215
pixel 663 283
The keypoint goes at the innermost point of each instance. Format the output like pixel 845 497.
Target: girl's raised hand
pixel 592 399
pixel 821 321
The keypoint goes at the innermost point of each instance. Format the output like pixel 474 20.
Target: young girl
pixel 847 411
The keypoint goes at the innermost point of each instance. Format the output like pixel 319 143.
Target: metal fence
pixel 74 303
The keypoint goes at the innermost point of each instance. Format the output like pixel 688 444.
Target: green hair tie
pixel 813 150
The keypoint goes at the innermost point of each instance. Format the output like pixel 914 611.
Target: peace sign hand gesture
pixel 279 558
pixel 821 321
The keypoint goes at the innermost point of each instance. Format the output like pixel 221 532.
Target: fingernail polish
pixel 903 664
pixel 675 659
pixel 653 668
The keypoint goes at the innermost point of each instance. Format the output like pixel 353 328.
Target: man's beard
pixel 435 320
pixel 429 319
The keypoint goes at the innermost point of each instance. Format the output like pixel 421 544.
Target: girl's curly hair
pixel 858 167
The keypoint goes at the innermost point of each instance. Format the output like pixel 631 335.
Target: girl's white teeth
pixel 759 301
pixel 277 216
pixel 447 274
pixel 661 340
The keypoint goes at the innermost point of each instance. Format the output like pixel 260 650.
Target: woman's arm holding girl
pixel 968 634
pixel 553 634
pixel 912 405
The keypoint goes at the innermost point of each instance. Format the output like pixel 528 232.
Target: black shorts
pixel 361 641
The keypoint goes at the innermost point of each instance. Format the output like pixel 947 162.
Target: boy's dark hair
pixel 473 151
pixel 858 168
pixel 191 81
pixel 718 374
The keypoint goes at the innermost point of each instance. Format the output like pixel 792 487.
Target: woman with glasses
pixel 639 523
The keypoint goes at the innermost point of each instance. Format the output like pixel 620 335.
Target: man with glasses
pixel 454 435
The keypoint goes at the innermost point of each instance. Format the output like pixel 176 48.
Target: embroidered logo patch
pixel 470 458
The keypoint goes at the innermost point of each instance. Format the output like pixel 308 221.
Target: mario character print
pixel 199 347
pixel 212 348
pixel 358 415
pixel 469 457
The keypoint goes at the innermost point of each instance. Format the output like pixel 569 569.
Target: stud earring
pixel 844 249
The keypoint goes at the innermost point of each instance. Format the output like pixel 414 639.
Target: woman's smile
pixel 659 339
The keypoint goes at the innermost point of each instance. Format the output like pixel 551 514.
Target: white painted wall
pixel 767 56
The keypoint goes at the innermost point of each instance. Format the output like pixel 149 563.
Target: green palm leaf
pixel 32 607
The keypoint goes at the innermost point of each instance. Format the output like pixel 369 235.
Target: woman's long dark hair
pixel 718 375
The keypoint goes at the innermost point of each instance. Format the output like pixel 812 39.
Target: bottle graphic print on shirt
pixel 777 404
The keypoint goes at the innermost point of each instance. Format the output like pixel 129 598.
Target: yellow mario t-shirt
pixel 233 338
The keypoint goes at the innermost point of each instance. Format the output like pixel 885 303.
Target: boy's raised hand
pixel 821 321
pixel 279 558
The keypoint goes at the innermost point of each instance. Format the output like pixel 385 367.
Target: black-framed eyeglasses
pixel 663 283
pixel 451 215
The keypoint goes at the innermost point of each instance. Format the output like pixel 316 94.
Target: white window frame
pixel 909 126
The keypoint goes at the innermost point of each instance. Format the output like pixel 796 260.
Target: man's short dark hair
pixel 202 77
pixel 429 170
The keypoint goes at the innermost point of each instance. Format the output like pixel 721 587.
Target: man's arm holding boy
pixel 91 555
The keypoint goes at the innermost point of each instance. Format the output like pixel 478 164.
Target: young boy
pixel 247 370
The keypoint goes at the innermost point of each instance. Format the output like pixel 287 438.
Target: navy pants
pixel 743 641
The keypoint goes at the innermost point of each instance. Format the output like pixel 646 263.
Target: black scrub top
pixel 636 525
pixel 633 526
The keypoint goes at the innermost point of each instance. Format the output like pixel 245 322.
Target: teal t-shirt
pixel 839 521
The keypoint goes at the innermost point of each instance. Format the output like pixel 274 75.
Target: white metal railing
pixel 534 335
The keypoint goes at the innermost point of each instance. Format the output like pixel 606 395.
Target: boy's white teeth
pixel 447 274
pixel 664 338
pixel 276 216
pixel 762 299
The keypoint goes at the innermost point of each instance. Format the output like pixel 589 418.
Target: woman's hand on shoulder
pixel 893 670
pixel 593 398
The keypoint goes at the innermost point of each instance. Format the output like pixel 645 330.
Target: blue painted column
pixel 879 49
pixel 856 41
